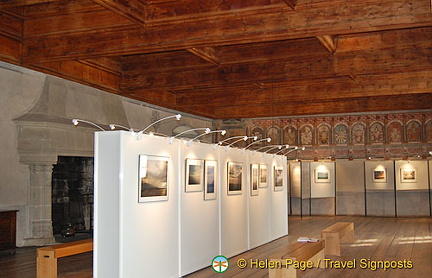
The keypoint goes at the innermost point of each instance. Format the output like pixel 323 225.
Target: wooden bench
pixel 46 260
pixel 287 260
pixel 340 232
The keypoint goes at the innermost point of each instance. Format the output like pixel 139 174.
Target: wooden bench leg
pixel 331 244
pixel 46 264
pixel 318 258
pixel 283 272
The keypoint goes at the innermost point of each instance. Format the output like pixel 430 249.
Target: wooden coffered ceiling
pixel 232 58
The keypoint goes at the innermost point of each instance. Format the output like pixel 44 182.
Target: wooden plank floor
pixel 376 239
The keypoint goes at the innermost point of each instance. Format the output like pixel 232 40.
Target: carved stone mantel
pixel 39 145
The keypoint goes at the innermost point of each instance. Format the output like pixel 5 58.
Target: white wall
pixel 234 211
pixel 322 188
pixel 185 230
pixel 259 205
pixel 279 201
pixel 350 187
pixel 199 218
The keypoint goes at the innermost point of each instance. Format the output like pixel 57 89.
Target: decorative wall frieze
pixel 388 135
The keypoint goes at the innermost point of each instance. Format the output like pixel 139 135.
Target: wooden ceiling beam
pixel 134 10
pixel 315 91
pixel 11 26
pixel 10 49
pixel 233 28
pixel 208 54
pixel 291 3
pixel 227 55
pixel 342 106
pixel 364 62
pixel 16 3
pixel 329 42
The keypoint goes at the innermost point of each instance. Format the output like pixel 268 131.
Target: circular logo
pixel 220 264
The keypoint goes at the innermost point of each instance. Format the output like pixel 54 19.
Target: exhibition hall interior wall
pixel 184 228
pixel 390 188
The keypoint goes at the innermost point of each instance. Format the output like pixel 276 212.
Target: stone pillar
pixel 40 220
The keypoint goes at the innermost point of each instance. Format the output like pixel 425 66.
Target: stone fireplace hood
pixel 46 132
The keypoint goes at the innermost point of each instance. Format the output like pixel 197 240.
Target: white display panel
pixel 137 235
pixel 322 179
pixel 379 175
pixel 295 180
pixel 411 175
pixel 199 218
pixel 234 211
pixel 350 175
pixel 106 257
pixel 259 205
pixel 279 201
pixel 149 229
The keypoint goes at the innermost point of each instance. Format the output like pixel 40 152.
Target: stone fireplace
pixel 60 143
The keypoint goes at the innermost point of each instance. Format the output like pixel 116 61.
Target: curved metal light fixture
pixel 113 126
pixel 77 121
pixel 268 139
pixel 206 131
pixel 277 147
pixel 245 138
pixel 222 132
pixel 292 148
pixel 178 117
pixel 232 137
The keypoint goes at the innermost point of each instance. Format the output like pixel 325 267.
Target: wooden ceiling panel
pixel 19 3
pixel 233 28
pixel 231 58
pixel 59 8
pixel 74 22
pixel 192 9
pixel 367 62
pixel 11 25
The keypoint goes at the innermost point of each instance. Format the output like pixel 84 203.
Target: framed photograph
pixel 194 175
pixel 153 178
pixel 278 178
pixel 379 175
pixel 210 180
pixel 408 175
pixel 322 175
pixel 235 173
pixel 254 179
pixel 263 176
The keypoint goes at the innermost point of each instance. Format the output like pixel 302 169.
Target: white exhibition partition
pixel 234 213
pixel 259 205
pixel 322 180
pixel 412 188
pixel 350 187
pixel 380 188
pixel 199 218
pixel 279 200
pixel 179 235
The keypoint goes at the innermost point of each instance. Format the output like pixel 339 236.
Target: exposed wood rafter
pixel 207 53
pixel 13 3
pixel 329 42
pixel 291 3
pixel 134 10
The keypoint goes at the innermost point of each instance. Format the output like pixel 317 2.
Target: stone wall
pixel 36 123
